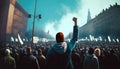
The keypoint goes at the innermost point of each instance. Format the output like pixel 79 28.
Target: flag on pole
pixel 12 39
pixel 21 42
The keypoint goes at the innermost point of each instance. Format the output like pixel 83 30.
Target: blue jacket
pixel 59 55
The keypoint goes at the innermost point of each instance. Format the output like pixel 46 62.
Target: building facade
pixel 13 20
pixel 104 24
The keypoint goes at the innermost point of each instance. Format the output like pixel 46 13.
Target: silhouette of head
pixel 91 51
pixel 97 52
pixel 29 50
pixel 59 37
pixel 40 51
pixel 7 52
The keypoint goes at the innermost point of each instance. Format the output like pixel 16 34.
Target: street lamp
pixel 34 20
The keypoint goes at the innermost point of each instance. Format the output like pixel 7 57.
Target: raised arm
pixel 75 30
pixel 75 34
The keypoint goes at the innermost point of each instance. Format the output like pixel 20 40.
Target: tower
pixel 89 16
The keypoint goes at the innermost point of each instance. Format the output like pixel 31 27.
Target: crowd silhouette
pixel 61 54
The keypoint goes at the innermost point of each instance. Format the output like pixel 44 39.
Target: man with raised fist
pixel 59 55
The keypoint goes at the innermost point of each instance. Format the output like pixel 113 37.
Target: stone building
pixel 104 24
pixel 13 20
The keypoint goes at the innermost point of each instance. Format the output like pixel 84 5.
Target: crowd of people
pixel 105 56
pixel 61 54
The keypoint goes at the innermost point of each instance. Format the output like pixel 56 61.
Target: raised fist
pixel 75 20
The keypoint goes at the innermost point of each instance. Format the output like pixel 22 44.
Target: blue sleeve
pixel 74 38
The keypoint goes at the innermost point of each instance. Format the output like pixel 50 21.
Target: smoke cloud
pixel 65 24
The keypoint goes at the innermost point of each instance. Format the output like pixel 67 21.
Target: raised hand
pixel 75 20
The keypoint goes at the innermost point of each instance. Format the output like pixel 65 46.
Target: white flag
pixel 20 39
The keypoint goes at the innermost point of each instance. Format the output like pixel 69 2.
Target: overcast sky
pixel 57 14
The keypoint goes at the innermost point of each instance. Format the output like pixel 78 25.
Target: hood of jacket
pixel 60 47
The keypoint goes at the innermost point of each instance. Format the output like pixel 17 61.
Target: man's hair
pixel 97 52
pixel 39 51
pixel 7 51
pixel 29 50
pixel 59 37
pixel 91 50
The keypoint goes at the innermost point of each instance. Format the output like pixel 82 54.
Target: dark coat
pixel 41 60
pixel 31 62
pixel 8 62
pixel 91 62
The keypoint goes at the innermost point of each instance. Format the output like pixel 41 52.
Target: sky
pixel 57 14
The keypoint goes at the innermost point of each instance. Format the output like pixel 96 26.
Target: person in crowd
pixel 82 57
pixel 106 57
pixel 97 52
pixel 7 62
pixel 91 61
pixel 31 61
pixel 16 56
pixel 59 55
pixel 99 56
pixel 113 60
pixel 41 59
pixel 76 60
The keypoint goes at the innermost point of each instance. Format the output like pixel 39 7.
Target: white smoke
pixel 65 24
